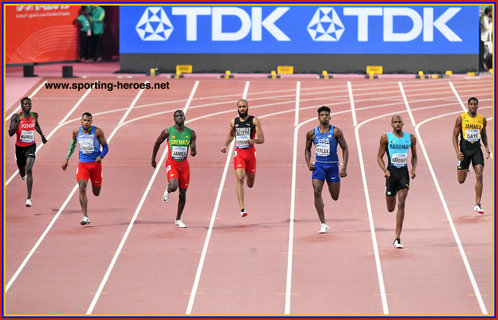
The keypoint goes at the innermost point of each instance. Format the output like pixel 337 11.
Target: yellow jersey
pixel 471 127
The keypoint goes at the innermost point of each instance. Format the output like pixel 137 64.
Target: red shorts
pixel 179 170
pixel 90 170
pixel 245 159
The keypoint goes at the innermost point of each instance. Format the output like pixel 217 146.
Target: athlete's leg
pixel 478 170
pixel 96 190
pixel 400 215
pixel 172 185
pixel 240 174
pixel 391 203
pixel 250 179
pixel 334 189
pixel 182 198
pixel 317 192
pixel 30 161
pixel 83 199
pixel 462 175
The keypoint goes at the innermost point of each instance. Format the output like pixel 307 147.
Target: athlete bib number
pixel 242 141
pixel 399 159
pixel 86 146
pixel 322 150
pixel 27 136
pixel 472 135
pixel 179 152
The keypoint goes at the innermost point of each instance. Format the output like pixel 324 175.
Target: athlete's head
pixel 397 123
pixel 86 120
pixel 324 115
pixel 473 104
pixel 242 108
pixel 179 117
pixel 26 104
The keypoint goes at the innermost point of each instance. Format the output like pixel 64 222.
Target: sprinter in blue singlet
pixel 397 144
pixel 325 137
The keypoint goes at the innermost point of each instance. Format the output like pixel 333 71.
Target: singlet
pixel 89 145
pixel 397 149
pixel 178 143
pixel 325 146
pixel 244 130
pixel 471 130
pixel 26 130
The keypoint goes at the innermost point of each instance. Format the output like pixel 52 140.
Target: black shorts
pixel 474 154
pixel 398 180
pixel 22 153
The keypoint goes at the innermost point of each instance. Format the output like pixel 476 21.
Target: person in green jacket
pixel 83 22
pixel 97 15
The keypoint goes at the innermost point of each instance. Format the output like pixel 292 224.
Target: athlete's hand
pixel 489 152
pixel 64 164
pixel 193 153
pixel 343 173
pixel 16 118
pixel 44 140
pixel 99 159
pixel 387 174
pixel 460 156
pixel 412 174
pixel 250 141
pixel 311 166
pixel 153 163
pixel 224 149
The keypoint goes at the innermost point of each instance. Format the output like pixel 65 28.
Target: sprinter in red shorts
pixel 89 139
pixel 244 128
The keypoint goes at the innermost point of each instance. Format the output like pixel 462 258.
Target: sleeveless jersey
pixel 325 146
pixel 178 143
pixel 397 149
pixel 26 131
pixel 89 145
pixel 244 130
pixel 471 129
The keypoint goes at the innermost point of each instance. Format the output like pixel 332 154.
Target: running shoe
pixel 476 209
pixel 397 243
pixel 324 228
pixel 28 202
pixel 166 196
pixel 243 213
pixel 85 221
pixel 180 223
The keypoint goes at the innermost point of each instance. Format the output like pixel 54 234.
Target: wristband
pixel 105 149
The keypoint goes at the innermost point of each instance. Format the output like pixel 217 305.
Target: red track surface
pixel 244 267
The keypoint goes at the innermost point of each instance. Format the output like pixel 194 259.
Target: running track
pixel 132 260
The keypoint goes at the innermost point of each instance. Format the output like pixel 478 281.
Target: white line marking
pixel 351 100
pixel 298 92
pixel 30 96
pixel 406 103
pixel 211 223
pixel 457 96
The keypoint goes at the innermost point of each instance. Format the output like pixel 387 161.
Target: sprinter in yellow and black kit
pixel 472 129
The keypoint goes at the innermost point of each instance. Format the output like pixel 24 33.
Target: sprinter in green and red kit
pixel 180 138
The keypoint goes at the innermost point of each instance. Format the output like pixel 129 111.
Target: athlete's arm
pixel 38 128
pixel 193 146
pixel 163 136
pixel 484 136
pixel 99 133
pixel 414 156
pixel 380 155
pixel 456 132
pixel 72 146
pixel 345 151
pixel 230 136
pixel 14 123
pixel 259 132
pixel 310 136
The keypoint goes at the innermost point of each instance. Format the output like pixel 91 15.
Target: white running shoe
pixel 166 196
pixel 324 228
pixel 243 213
pixel 397 243
pixel 28 203
pixel 85 221
pixel 476 209
pixel 180 223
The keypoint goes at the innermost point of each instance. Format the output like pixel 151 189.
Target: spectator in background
pixel 83 22
pixel 97 18
pixel 485 40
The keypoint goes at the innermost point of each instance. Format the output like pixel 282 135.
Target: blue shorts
pixel 326 171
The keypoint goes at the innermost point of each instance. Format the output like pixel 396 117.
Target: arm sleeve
pixel 105 149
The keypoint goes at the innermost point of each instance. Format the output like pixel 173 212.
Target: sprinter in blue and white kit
pixel 326 165
pixel 397 144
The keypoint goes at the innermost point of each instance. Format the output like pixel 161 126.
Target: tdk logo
pixel 325 25
pixel 154 25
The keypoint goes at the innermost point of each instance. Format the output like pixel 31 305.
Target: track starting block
pixel 422 75
pixel 273 75
pixel 180 69
pixel 325 75
pixel 227 75
pixel 373 72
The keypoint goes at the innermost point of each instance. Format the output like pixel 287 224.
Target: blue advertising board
pixel 294 29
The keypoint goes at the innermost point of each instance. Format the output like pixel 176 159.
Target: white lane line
pixel 198 273
pixel 137 210
pixel 351 101
pixel 56 216
pixel 18 108
pixel 457 96
pixel 60 124
pixel 406 103
pixel 298 93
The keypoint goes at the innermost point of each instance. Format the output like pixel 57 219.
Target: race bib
pixel 399 159
pixel 322 150
pixel 86 146
pixel 472 135
pixel 27 136
pixel 242 141
pixel 179 152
